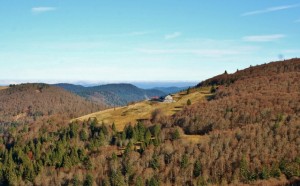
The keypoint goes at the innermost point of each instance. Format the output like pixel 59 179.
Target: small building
pixel 168 99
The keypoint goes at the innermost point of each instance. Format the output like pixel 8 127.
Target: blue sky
pixel 134 40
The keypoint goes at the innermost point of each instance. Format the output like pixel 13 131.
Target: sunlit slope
pixel 142 110
pixel 2 87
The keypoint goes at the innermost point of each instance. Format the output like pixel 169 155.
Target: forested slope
pixel 28 102
pixel 247 132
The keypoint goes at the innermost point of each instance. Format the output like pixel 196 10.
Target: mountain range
pixel 114 94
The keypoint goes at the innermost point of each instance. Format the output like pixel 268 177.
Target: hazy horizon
pixel 140 84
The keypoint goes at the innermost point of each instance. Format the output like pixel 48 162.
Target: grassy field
pixel 142 110
pixel 195 139
pixel 2 87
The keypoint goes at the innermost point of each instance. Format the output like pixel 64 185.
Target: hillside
pixel 251 123
pixel 28 102
pixel 112 94
pixel 253 118
pixel 234 130
pixel 269 69
pixel 143 110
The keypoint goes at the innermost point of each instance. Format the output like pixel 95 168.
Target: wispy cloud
pixel 203 52
pixel 292 51
pixel 263 38
pixel 297 21
pixel 172 35
pixel 38 10
pixel 270 9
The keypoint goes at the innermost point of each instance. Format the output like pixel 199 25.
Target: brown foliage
pixel 28 102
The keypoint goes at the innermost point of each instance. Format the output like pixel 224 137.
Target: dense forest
pixel 28 103
pixel 249 128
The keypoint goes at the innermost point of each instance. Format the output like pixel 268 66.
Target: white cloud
pixel 37 10
pixel 173 35
pixel 263 38
pixel 270 9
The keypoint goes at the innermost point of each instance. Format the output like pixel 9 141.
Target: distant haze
pixel 147 85
pixel 140 84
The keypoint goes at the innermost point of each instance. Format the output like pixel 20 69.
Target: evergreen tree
pixel 176 134
pixel 128 148
pixel 123 135
pixel 88 180
pixel 265 173
pixel 244 170
pixel 197 168
pixel 201 181
pixel 75 181
pixel 113 127
pixel 114 157
pixel 153 182
pixel 105 182
pixel 73 130
pixel 104 129
pixel 148 137
pixel 154 163
pixel 139 181
pixel 188 91
pixel 66 161
pixel 102 140
pixel 184 161
pixel 117 179
pixel 157 130
pixel 140 129
pixel 129 132
pixel 213 89
pixel 188 102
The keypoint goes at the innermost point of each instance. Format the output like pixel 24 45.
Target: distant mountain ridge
pixel 112 94
pixel 170 90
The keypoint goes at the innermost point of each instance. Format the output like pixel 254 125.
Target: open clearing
pixel 142 110
pixel 2 87
pixel 194 139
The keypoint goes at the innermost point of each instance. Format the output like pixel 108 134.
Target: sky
pixel 132 40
